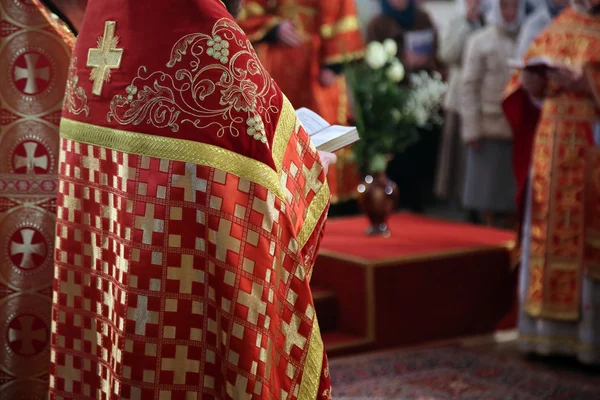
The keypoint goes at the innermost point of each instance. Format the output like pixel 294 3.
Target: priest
pixel 190 210
pixel 304 45
pixel 553 110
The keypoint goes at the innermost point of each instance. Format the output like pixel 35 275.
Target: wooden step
pixel 339 343
pixel 327 308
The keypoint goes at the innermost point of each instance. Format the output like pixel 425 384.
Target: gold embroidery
pixel 173 149
pixel 170 99
pixel 345 25
pixel 311 375
pixel 251 9
pixel 315 211
pixel 75 97
pixel 346 57
pixel 104 58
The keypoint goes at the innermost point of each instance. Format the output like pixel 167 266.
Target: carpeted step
pixel 339 343
pixel 327 308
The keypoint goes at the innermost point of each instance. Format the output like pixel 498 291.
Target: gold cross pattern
pixel 104 57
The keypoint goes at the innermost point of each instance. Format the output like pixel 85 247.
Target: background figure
pixel 304 45
pixel 451 160
pixel 413 169
pixel 552 112
pixel 490 184
pixel 535 23
pixel 34 63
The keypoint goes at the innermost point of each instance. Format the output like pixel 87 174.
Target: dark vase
pixel 378 197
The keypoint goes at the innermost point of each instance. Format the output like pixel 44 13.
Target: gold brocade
pixel 313 365
pixel 173 149
pixel 347 24
pixel 315 211
pixel 345 57
pixel 251 9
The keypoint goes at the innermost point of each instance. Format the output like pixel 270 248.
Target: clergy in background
pixel 190 209
pixel 304 45
pixel 553 109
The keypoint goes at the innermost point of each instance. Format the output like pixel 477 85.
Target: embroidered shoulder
pixel 220 85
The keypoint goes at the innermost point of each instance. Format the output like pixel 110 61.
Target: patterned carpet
pixel 452 373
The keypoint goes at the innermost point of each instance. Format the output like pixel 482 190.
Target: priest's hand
pixel 327 77
pixel 534 83
pixel 569 79
pixel 327 159
pixel 288 34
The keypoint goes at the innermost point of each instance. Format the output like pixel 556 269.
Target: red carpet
pixel 452 373
pixel 430 280
pixel 412 236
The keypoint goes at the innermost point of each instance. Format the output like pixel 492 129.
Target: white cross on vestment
pixel 31 73
pixel 30 161
pixel 27 248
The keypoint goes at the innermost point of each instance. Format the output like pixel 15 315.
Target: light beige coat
pixel 484 76
pixel 450 52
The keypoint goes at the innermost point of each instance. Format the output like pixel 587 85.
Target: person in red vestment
pixel 319 36
pixel 190 209
pixel 34 61
pixel 553 107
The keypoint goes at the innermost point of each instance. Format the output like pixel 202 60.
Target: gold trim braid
pixel 173 149
pixel 311 376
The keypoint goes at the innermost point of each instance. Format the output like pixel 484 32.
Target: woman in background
pixel 490 186
pixel 451 159
pixel 412 28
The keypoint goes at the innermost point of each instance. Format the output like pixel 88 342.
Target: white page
pixel 330 133
pixel 311 121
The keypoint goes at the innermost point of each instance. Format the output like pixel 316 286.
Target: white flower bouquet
pixel 388 112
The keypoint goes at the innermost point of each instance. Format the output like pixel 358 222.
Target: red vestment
pixel 190 209
pixel 34 60
pixel 554 147
pixel 332 37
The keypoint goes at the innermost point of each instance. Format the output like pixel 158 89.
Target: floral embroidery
pixel 237 82
pixel 327 394
pixel 75 98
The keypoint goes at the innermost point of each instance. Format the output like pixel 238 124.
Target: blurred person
pixel 407 21
pixel 399 18
pixel 34 63
pixel 191 204
pixel 451 159
pixel 304 45
pixel 553 111
pixel 489 182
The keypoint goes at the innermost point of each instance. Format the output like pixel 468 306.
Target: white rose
pixel 395 72
pixel 376 56
pixel 391 48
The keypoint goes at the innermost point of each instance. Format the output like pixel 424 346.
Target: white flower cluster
pixel 383 54
pixel 427 92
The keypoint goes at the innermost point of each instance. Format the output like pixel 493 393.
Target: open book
pixel 324 136
pixel 420 42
